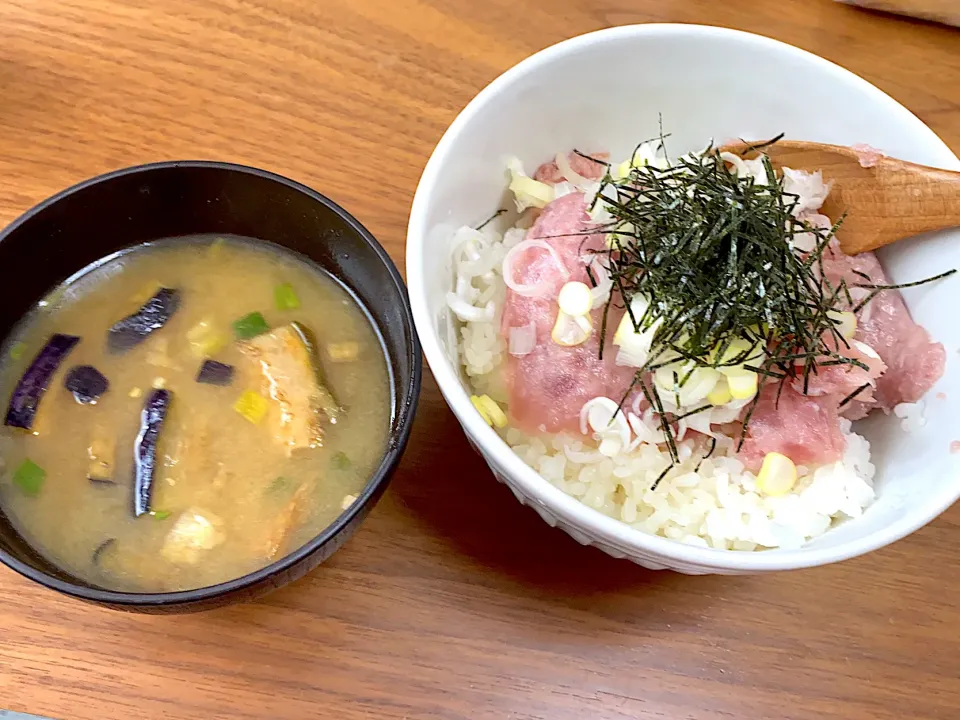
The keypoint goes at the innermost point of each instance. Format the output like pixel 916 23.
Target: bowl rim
pixel 530 482
pixel 406 406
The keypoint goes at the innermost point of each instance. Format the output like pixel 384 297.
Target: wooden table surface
pixel 452 601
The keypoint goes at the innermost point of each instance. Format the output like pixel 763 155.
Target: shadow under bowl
pixel 128 207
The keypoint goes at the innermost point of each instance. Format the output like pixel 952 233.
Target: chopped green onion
pixel 29 477
pixel 146 291
pixel 343 351
pixel 286 297
pixel 161 514
pixel 280 484
pixel 17 350
pixel 250 326
pixel 213 252
pixel 341 461
pixel 252 406
pixel 206 340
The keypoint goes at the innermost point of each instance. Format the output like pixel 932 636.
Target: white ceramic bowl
pixel 605 90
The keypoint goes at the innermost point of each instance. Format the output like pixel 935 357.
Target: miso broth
pixel 252 456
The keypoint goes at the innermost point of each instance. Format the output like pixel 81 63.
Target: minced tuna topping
pixel 682 345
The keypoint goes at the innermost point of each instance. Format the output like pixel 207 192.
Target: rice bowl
pixel 508 118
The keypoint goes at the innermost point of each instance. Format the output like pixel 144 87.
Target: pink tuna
pixel 549 386
pixel 867 156
pixel 914 362
pixel 805 429
pixel 550 173
pixel 834 383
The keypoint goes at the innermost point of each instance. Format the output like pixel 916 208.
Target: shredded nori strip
pixel 591 158
pixel 854 394
pixel 490 219
pixel 713 446
pixel 713 254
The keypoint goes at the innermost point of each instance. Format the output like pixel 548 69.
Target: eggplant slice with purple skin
pixel 215 373
pixel 101 549
pixel 145 450
pixel 35 381
pixel 86 383
pixel 134 329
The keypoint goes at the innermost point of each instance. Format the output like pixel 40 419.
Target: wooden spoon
pixel 890 200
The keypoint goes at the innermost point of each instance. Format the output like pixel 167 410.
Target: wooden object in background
pixel 452 602
pixel 944 11
pixel 881 199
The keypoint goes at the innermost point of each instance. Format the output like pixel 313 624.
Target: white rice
pixel 710 503
pixel 911 416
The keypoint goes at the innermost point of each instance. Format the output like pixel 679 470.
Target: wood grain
pixel 452 601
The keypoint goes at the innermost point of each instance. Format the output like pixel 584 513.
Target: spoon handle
pixel 901 199
pixel 881 199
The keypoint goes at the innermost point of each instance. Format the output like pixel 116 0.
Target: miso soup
pixel 187 412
